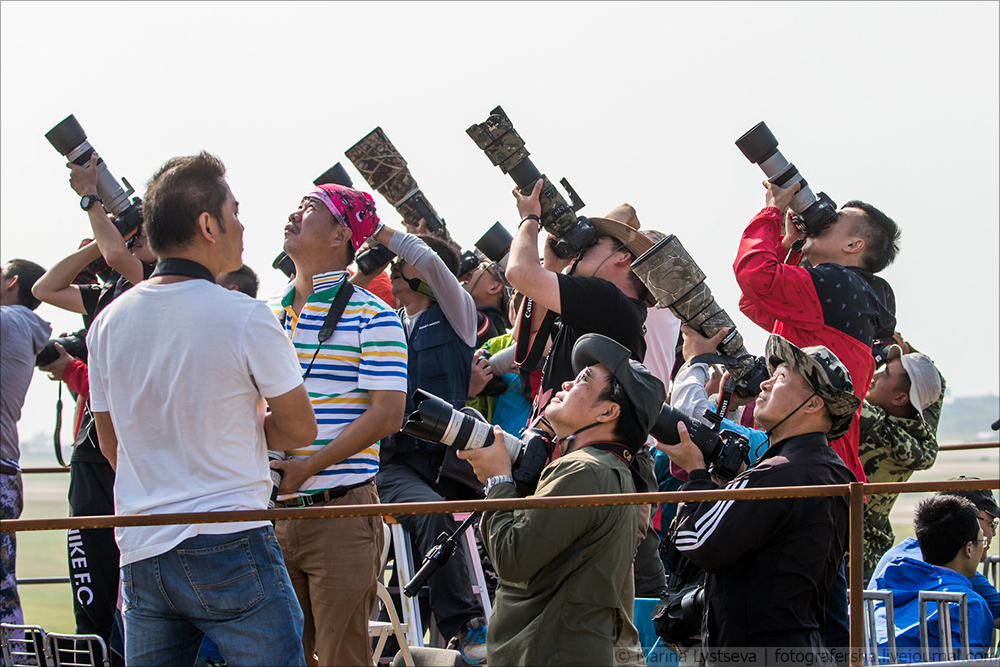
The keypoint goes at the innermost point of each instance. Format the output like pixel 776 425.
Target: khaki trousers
pixel 333 565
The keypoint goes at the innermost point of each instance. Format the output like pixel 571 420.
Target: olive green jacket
pixel 564 573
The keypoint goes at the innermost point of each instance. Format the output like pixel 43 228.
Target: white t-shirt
pixel 662 329
pixel 182 368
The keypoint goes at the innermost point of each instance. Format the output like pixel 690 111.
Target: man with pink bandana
pixel 356 381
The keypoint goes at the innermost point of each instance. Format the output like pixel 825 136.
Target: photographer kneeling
pixel 774 560
pixel 565 588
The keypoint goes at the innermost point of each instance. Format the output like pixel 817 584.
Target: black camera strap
pixel 528 348
pixel 331 319
pixel 175 266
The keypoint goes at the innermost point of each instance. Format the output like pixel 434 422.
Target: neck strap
pixel 175 266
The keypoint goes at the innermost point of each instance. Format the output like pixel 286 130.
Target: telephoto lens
pixel 336 175
pixel 70 140
pixel 677 282
pixel 760 147
pixel 435 420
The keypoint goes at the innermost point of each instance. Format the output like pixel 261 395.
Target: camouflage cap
pixel 825 373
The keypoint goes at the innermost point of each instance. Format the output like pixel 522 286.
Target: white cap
pixel 925 381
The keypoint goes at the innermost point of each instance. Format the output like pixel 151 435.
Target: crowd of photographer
pixel 384 372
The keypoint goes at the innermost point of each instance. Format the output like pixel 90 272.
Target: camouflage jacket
pixel 891 449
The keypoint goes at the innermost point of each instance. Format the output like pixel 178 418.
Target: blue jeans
pixel 232 587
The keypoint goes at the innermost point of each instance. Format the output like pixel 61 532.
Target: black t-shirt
pixel 97 297
pixel 589 305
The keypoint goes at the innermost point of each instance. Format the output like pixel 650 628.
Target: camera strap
pixel 331 319
pixel 628 457
pixel 175 266
pixel 529 346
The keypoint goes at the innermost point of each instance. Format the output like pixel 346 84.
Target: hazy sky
pixel 892 103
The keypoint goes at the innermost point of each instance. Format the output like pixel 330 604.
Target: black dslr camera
pixel 75 344
pixel 505 149
pixel 724 451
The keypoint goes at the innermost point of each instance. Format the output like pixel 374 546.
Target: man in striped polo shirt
pixel 356 380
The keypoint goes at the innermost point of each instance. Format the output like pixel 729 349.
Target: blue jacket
pixel 906 577
pixel 910 547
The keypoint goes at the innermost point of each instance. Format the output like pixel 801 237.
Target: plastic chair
pixel 943 600
pixel 870 650
pixel 23 645
pixel 381 630
pixel 77 650
pixel 642 618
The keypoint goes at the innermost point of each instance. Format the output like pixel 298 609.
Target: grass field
pixel 43 553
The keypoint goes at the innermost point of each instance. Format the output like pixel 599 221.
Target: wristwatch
pixel 499 479
pixel 89 200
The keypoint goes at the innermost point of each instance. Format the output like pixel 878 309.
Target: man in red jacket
pixel 833 299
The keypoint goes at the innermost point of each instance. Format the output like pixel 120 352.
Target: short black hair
pixel 27 273
pixel 245 280
pixel 443 250
pixel 627 429
pixel 180 191
pixel 881 235
pixel 944 525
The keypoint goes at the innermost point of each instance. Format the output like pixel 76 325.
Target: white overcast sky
pixel 894 103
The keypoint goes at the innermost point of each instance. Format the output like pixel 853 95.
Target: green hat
pixel 825 373
pixel 645 391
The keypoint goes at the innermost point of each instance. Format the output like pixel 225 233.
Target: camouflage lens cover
pixel 499 140
pixel 385 170
pixel 677 282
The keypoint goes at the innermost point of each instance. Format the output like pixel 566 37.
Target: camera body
pixel 75 344
pixel 436 420
pixel 504 147
pixel 812 212
pixel 70 140
pixel 677 282
pixel 724 451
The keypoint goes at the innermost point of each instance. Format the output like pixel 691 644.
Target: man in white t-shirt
pixel 179 372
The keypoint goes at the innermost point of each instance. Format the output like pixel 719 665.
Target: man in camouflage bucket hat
pixel 774 560
pixel 823 371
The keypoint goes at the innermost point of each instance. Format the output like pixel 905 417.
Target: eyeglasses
pixel 992 523
pixel 586 377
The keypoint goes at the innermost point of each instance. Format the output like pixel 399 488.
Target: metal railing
pixel 855 492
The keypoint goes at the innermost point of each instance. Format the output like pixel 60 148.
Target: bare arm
pixel 107 438
pixel 291 422
pixel 383 416
pixel 83 180
pixel 524 270
pixel 55 286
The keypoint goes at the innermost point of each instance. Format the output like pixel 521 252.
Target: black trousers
pixel 93 553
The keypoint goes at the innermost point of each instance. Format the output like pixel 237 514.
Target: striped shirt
pixel 367 352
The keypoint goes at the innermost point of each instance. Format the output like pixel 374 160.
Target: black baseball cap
pixel 643 389
pixel 982 498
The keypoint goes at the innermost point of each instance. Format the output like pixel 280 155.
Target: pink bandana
pixel 351 208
